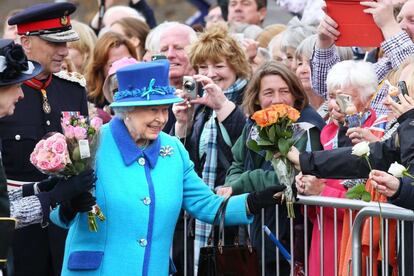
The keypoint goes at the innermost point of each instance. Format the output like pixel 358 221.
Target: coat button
pixel 17 137
pixel 147 200
pixel 143 242
pixel 141 161
pixel 48 122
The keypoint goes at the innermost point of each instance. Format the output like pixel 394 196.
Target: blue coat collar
pixel 129 150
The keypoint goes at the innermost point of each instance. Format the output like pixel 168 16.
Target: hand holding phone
pixel 344 102
pixel 402 87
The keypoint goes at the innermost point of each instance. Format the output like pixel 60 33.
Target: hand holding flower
pixel 385 183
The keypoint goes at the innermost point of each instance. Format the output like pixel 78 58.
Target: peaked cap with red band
pixel 49 21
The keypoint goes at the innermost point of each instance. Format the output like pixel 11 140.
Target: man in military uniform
pixel 45 29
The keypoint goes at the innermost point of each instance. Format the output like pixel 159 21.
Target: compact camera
pixel 190 87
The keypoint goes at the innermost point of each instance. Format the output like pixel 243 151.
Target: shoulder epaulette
pixel 71 76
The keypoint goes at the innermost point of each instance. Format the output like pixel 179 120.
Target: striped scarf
pixel 202 230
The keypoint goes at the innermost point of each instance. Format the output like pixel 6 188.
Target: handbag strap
pixel 221 232
pixel 220 212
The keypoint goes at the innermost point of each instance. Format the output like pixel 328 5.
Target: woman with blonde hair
pixel 109 48
pixel 80 51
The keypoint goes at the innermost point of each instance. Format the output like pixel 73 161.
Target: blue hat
pixel 49 21
pixel 14 66
pixel 144 84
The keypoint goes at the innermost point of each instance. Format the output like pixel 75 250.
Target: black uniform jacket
pixel 29 123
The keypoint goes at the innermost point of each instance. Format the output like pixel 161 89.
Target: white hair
pixel 359 75
pixel 117 12
pixel 122 112
pixel 295 33
pixel 192 35
pixel 305 48
pixel 152 42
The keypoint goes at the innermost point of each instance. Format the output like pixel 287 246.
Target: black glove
pixel 65 190
pixel 80 203
pixel 44 186
pixel 258 200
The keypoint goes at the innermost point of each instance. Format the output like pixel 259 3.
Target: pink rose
pixel 59 146
pixel 49 142
pixel 57 163
pixel 33 158
pixel 80 133
pixel 43 165
pixel 96 123
pixel 39 145
pixel 69 132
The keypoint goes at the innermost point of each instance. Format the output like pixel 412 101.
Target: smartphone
pixel 402 87
pixel 158 57
pixel 343 101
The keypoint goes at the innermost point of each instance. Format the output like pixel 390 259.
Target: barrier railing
pixel 366 210
pixel 390 213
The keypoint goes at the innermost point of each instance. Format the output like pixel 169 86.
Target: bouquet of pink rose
pixel 70 153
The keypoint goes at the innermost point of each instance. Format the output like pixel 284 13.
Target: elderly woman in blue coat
pixel 144 178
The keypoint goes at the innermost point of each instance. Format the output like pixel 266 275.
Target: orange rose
pixel 281 109
pixel 272 116
pixel 260 117
pixel 293 114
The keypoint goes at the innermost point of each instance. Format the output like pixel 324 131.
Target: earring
pixel 127 118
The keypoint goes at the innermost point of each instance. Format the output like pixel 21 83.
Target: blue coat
pixel 141 194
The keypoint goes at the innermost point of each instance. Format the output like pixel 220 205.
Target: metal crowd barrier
pixel 366 210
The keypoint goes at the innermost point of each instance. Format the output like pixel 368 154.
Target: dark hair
pixel 94 71
pixel 251 95
pixel 261 4
pixel 135 28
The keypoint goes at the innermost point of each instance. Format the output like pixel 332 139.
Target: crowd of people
pixel 177 102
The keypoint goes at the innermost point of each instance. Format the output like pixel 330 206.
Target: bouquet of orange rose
pixel 70 153
pixel 275 136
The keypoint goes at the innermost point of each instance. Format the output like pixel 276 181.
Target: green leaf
pixel 80 166
pixel 283 145
pixel 366 196
pixel 269 155
pixel 263 133
pixel 264 143
pixel 252 144
pixel 272 133
pixel 278 131
pixel 358 192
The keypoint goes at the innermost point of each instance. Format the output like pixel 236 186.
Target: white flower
pixel 3 64
pixel 361 149
pixel 397 170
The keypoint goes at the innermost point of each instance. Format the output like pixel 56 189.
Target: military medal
pixel 46 106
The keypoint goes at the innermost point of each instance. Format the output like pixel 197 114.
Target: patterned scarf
pixel 202 230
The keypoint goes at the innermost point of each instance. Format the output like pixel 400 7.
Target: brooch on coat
pixel 166 151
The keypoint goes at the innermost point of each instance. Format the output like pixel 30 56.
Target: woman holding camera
pixel 210 124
